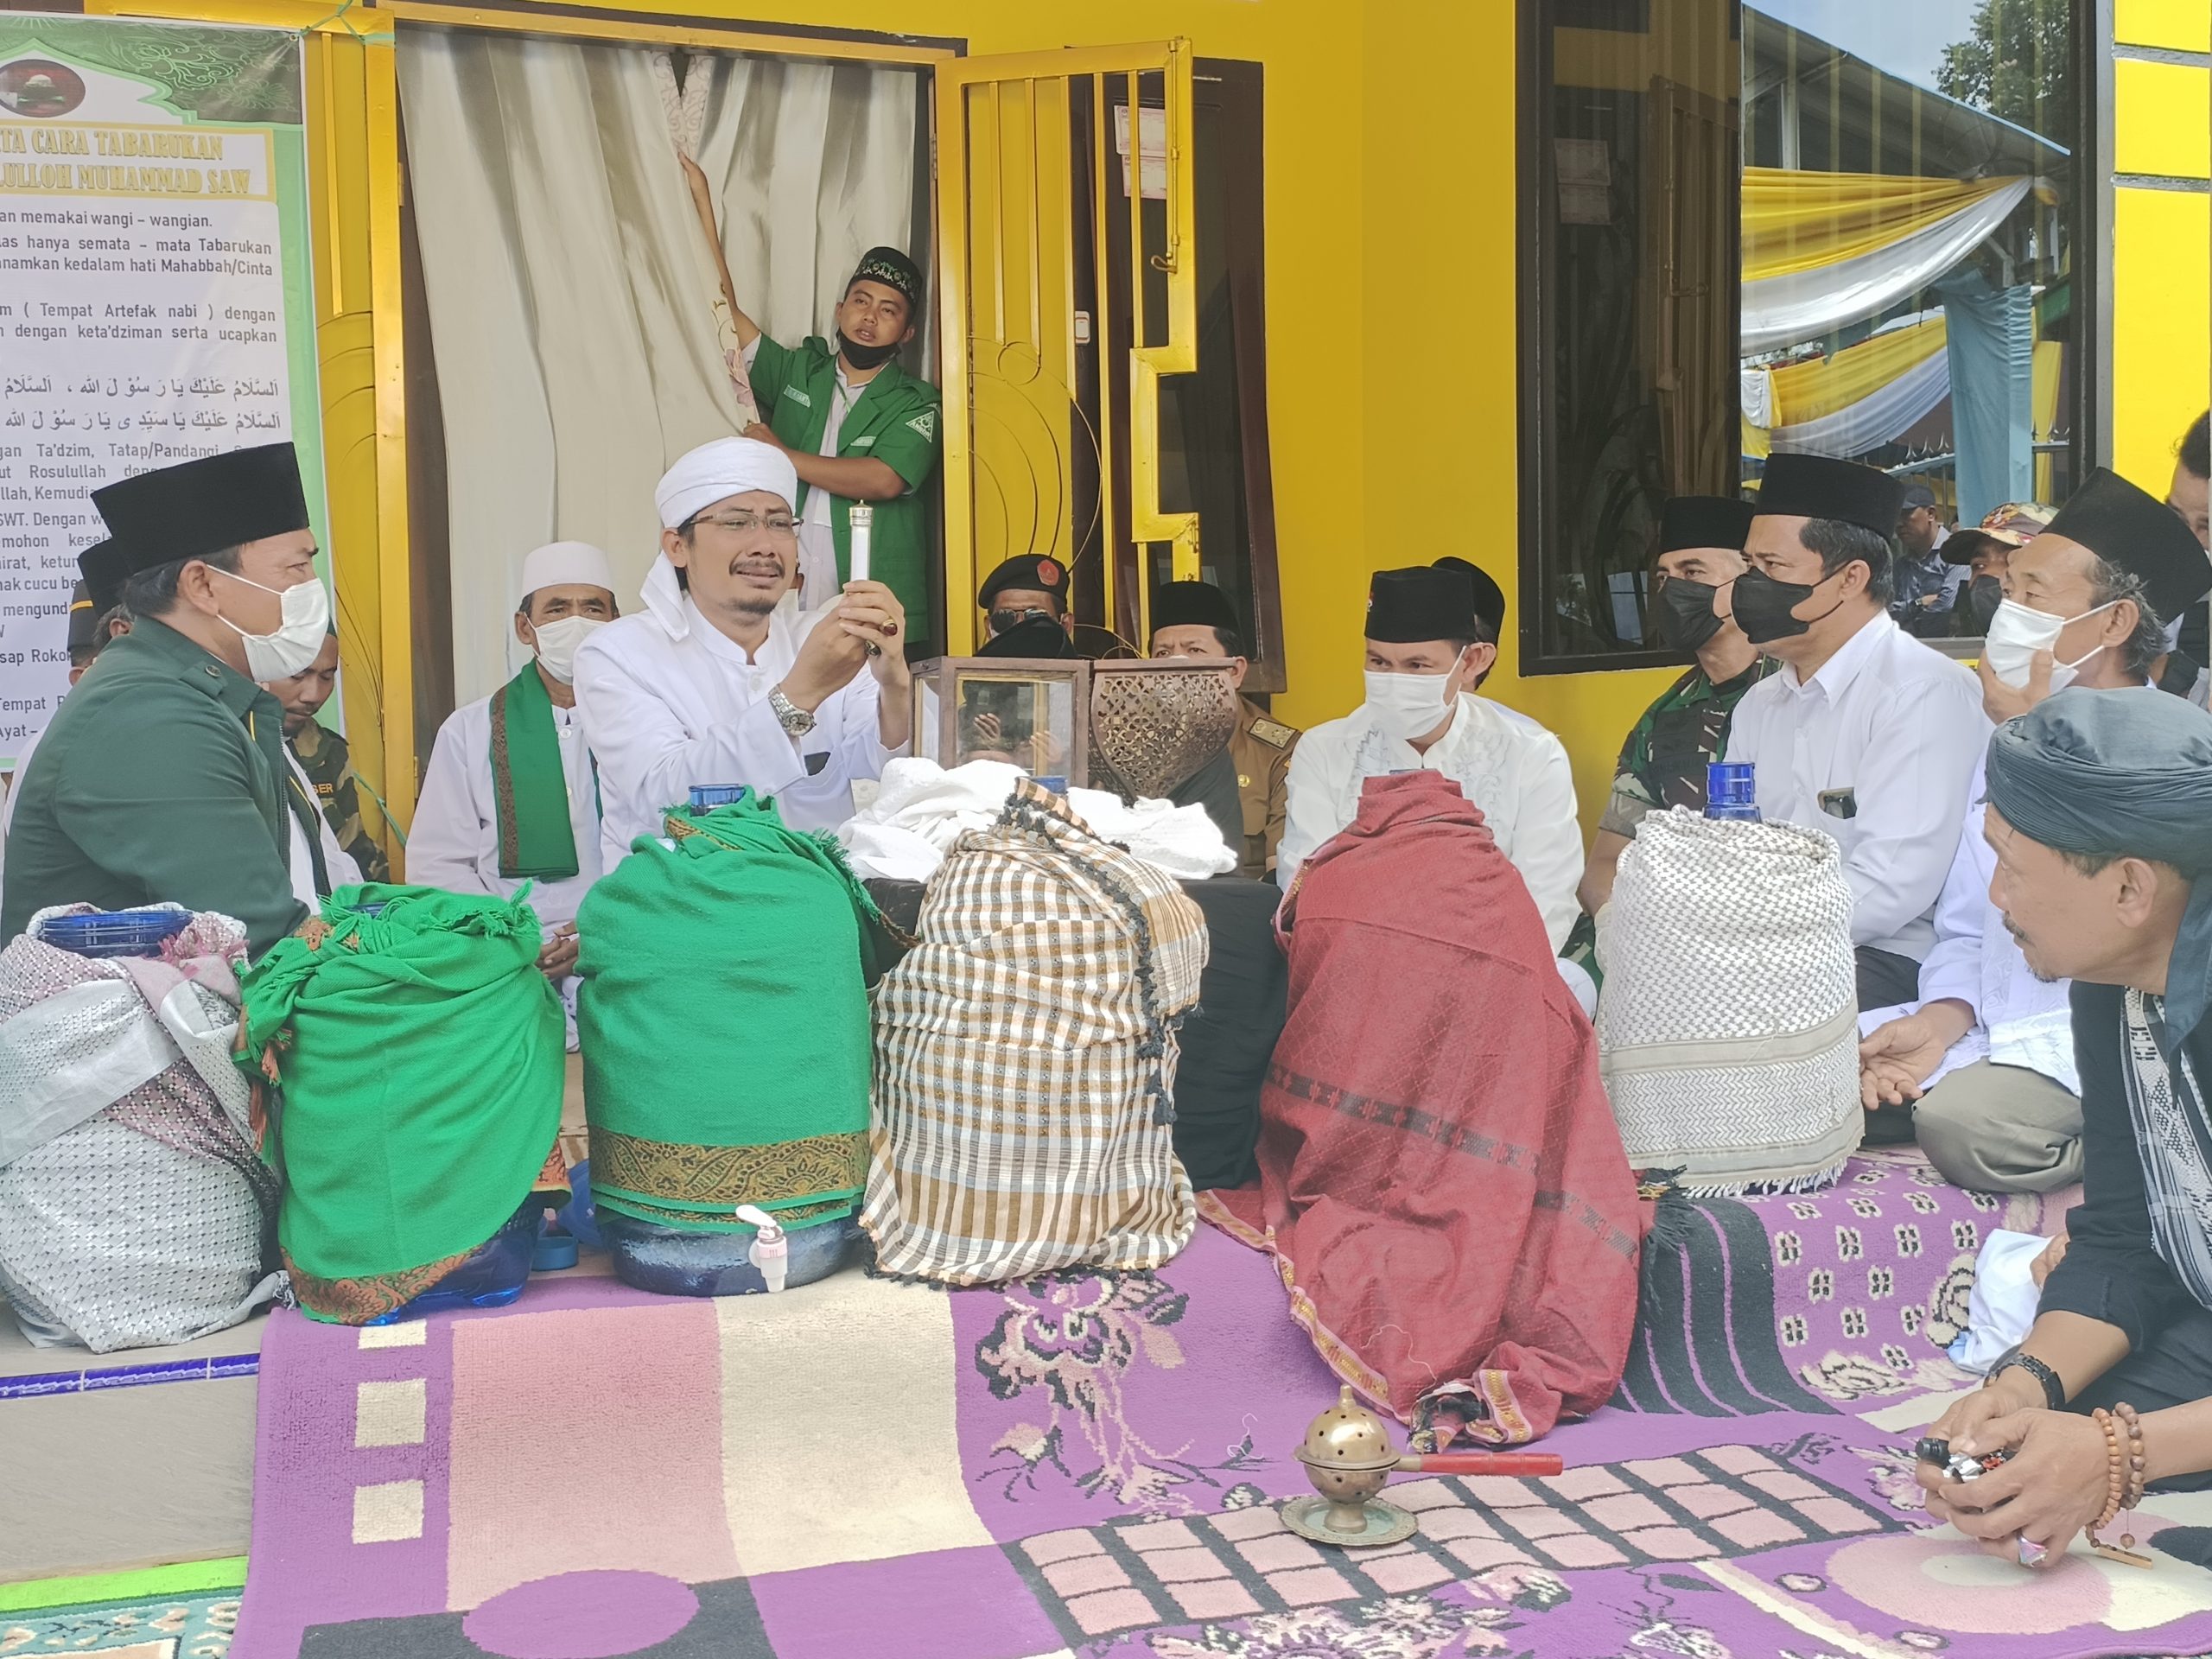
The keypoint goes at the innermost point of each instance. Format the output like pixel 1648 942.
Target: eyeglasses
pixel 1003 620
pixel 744 524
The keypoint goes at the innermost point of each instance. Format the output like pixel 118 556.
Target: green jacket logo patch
pixel 923 425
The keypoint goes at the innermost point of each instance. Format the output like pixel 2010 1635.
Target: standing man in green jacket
pixel 858 428
pixel 162 777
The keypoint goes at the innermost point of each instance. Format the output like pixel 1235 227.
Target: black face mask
pixel 1684 618
pixel 864 357
pixel 1983 596
pixel 1762 607
pixel 1038 636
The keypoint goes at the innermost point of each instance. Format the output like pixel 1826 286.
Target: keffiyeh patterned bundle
pixel 1728 1030
pixel 133 1209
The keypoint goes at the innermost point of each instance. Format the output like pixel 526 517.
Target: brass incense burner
pixel 1348 1456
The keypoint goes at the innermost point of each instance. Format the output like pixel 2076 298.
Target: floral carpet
pixel 1084 1467
pixel 165 1627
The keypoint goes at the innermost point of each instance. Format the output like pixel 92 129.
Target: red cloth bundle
pixel 1441 1182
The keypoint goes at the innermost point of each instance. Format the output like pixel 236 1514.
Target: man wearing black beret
pixel 1196 620
pixel 1865 733
pixel 1024 602
pixel 163 776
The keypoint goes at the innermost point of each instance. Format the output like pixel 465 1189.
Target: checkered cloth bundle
pixel 1024 1060
pixel 1728 1030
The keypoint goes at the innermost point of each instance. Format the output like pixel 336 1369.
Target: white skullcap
pixel 715 472
pixel 559 564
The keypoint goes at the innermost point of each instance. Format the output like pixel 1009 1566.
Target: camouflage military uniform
pixel 1663 762
pixel 322 755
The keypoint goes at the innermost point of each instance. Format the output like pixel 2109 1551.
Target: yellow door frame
pixel 353 203
pixel 1171 61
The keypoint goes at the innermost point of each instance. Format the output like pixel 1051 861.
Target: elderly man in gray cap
pixel 2098 803
pixel 1927 583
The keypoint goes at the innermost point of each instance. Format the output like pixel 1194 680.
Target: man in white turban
pixel 510 795
pixel 718 683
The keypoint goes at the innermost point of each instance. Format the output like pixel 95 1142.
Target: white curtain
pixel 824 153
pixel 571 290
pixel 1781 310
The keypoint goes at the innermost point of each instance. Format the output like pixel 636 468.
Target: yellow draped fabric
pixel 1797 221
pixel 1806 391
pixel 2050 363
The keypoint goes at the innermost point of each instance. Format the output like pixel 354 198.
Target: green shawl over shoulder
pixel 724 1024
pixel 530 789
pixel 420 1057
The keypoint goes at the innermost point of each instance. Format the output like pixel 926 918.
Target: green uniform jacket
pixel 161 778
pixel 895 421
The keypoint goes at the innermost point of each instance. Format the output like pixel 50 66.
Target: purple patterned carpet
pixel 1087 1467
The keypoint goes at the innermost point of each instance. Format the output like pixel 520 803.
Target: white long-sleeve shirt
pixel 668 701
pixel 2019 1020
pixel 337 863
pixel 1511 767
pixel 455 842
pixel 1892 728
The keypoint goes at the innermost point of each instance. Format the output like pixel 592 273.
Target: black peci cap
pixel 1425 602
pixel 2132 528
pixel 1704 521
pixel 202 506
pixel 1821 487
pixel 1193 605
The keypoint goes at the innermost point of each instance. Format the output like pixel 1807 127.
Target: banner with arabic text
pixel 155 303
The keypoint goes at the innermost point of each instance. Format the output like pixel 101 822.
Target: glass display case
pixel 1135 726
pixel 1030 712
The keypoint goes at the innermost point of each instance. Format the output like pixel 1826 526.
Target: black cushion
pixel 1229 1040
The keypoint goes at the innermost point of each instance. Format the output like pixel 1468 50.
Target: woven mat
pixel 1071 1466
pixel 1843 1299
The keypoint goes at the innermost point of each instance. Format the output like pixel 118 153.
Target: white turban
pixel 559 564
pixel 715 472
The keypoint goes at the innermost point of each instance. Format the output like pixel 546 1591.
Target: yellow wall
pixel 1442 438
pixel 2162 236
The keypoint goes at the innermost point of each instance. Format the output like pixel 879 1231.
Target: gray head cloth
pixel 2120 774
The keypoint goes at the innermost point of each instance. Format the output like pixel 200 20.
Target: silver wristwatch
pixel 792 718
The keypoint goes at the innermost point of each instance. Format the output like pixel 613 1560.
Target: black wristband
pixel 2054 1391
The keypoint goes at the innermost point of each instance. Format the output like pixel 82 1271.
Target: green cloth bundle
pixel 724 1023
pixel 421 1059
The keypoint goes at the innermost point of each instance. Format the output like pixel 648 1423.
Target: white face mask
pixel 1407 705
pixel 298 639
pixel 2017 633
pixel 558 641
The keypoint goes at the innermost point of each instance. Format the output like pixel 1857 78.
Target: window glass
pixel 1835 226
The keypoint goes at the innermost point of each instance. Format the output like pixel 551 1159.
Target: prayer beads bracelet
pixel 2126 1473
pixel 2115 1471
